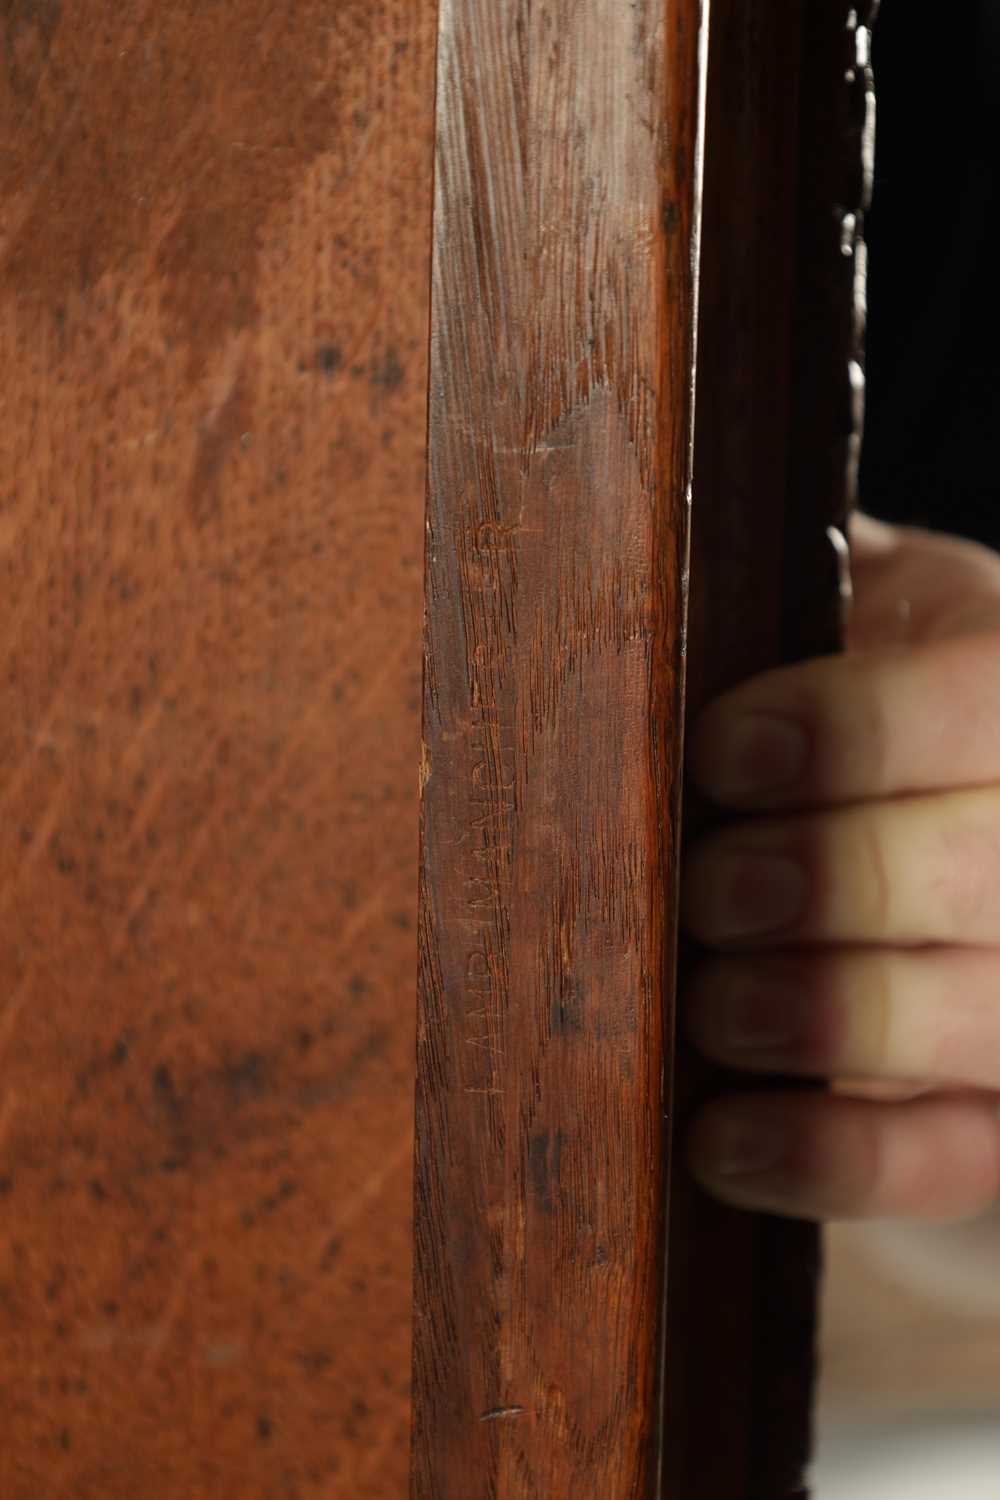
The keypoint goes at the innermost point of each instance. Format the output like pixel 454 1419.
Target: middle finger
pixel 908 871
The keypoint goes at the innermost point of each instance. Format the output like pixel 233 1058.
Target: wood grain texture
pixel 213 306
pixel 741 444
pixel 559 470
pixel 787 175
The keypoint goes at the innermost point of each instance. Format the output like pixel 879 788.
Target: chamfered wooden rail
pixel 560 404
pixel 566 221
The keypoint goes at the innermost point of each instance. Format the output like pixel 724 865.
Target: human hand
pixel 855 918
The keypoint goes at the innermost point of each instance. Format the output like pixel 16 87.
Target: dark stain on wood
pixel 189 159
pixel 545 1167
pixel 387 373
pixel 28 29
pixel 329 359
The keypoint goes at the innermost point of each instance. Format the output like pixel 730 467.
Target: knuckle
pixel 878 915
pixel 878 1043
pixel 968 856
pixel 875 733
pixel 860 751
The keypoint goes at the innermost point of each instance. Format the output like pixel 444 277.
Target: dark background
pixel 933 405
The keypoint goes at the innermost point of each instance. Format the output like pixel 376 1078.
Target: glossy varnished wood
pixel 741 445
pixel 559 467
pixel 213 310
pixel 787 178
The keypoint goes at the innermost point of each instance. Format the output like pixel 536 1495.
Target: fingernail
pixel 754 1019
pixel 743 1144
pixel 744 895
pixel 751 754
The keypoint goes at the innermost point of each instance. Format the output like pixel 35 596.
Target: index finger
pixel 869 724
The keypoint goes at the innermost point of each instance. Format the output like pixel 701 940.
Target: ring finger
pixel 928 1014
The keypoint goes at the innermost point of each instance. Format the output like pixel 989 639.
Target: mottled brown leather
pixel 213 303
